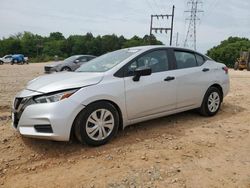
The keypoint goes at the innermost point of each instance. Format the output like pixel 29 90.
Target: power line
pixel 190 40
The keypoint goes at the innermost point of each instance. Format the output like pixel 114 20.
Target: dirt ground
pixel 183 150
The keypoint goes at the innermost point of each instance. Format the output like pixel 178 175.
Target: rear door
pixel 152 94
pixel 192 76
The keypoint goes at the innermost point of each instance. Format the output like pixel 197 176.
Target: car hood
pixel 62 81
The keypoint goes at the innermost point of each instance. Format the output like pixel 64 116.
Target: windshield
pixel 71 58
pixel 106 61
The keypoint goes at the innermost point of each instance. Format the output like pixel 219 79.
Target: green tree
pixel 56 36
pixel 229 50
pixel 39 48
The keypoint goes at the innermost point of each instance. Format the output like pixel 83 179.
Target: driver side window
pixel 156 60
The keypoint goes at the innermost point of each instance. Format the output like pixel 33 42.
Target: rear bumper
pixel 49 70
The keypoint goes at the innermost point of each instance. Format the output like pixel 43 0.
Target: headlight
pixel 54 97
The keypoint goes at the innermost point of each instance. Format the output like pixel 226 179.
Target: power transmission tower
pixel 193 17
pixel 166 29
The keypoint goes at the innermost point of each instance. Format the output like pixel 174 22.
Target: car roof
pixel 148 47
pixel 83 55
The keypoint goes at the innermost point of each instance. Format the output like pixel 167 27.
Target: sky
pixel 220 19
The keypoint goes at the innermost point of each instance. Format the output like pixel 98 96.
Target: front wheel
pixel 97 124
pixel 14 62
pixel 1 62
pixel 211 102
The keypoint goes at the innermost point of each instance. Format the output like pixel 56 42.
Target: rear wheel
pixel 14 62
pixel 1 62
pixel 236 64
pixel 66 69
pixel 97 124
pixel 211 102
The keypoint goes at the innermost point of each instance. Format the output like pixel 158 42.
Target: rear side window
pixel 200 59
pixel 156 60
pixel 185 59
pixel 83 59
pixel 90 57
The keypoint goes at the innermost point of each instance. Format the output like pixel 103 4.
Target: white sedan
pixel 118 89
pixel 6 59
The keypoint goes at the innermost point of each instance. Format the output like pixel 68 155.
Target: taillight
pixel 225 69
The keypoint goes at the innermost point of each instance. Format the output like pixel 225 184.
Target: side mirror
pixel 77 61
pixel 142 71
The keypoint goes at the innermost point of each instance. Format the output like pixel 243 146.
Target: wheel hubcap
pixel 213 102
pixel 100 124
pixel 66 69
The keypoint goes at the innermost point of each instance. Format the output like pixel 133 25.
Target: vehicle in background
pixel 70 64
pixel 6 59
pixel 118 89
pixel 19 59
pixel 243 62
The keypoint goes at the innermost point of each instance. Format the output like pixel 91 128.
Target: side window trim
pixel 171 59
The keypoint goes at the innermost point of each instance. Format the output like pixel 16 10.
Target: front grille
pixel 47 69
pixel 15 119
pixel 17 102
pixel 43 128
pixel 19 105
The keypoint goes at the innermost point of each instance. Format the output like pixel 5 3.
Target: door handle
pixel 205 69
pixel 169 78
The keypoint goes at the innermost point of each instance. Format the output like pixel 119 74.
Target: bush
pixel 229 50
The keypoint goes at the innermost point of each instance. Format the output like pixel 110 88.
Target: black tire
pixel 236 65
pixel 204 109
pixel 81 123
pixel 14 62
pixel 1 62
pixel 66 69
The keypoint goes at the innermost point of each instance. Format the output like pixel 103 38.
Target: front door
pixel 152 94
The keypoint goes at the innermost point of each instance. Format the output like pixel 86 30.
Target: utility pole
pixel 166 29
pixel 193 17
